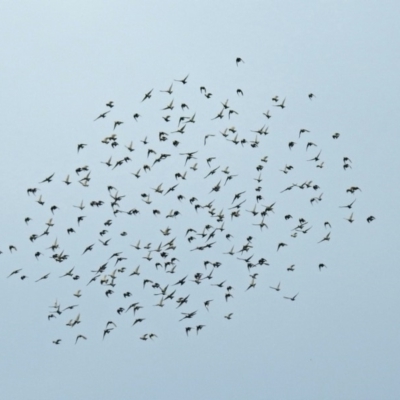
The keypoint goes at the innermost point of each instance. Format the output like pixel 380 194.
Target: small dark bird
pixel 291 298
pixel 184 80
pixel 117 123
pixel 239 60
pixel 199 327
pixel 147 96
pixel 102 115
pixel 48 179
pixel 80 337
pixel 303 131
pixel 14 272
pixel 89 248
pixel 43 277
pixel 282 105
pixel 349 205
pixel 277 288
pixel 281 245
pixel 169 90
pixel 310 144
pixel 326 238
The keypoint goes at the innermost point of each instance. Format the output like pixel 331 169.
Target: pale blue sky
pixel 62 61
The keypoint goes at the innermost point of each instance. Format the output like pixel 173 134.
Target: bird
pixel 350 219
pixel 147 95
pixel 103 115
pixel 80 337
pixel 184 80
pixel 277 288
pixel 88 248
pixel 310 144
pixel 117 123
pixel 152 335
pixel 291 298
pixel 316 158
pixel 15 272
pixel 187 330
pixel 137 320
pixel 81 206
pixel 326 238
pixel 40 200
pixel 81 146
pixel 239 60
pixel 104 243
pixel 267 114
pixel 169 90
pixel 207 304
pixel 353 189
pixel 349 205
pixel 43 277
pixel 107 331
pixel 170 106
pixel 198 328
pixel 67 181
pixel 68 273
pixel 188 315
pixel 281 245
pixel 282 105
pixel 48 179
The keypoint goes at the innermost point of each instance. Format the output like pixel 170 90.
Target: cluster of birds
pixel 172 199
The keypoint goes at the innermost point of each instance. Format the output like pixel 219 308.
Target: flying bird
pixel 147 95
pixel 239 60
pixel 103 115
pixel 48 179
pixel 184 80
pixel 291 298
pixel 281 245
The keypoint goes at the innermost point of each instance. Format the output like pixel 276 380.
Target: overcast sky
pixel 63 61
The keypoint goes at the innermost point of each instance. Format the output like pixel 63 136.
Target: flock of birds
pixel 161 235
